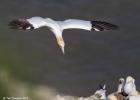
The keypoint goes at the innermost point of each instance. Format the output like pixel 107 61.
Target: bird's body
pixel 57 27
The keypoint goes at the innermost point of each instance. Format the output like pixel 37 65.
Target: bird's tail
pixel 102 26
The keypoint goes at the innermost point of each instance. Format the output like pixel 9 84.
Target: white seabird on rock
pixel 57 27
pixel 130 89
pixel 117 95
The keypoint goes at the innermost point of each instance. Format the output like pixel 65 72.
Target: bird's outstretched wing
pixel 86 25
pixel 75 24
pixel 102 26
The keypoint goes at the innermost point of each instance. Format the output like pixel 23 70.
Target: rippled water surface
pixel 91 58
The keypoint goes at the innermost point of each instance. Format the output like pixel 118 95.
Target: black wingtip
pixel 102 26
pixel 20 24
pixel 14 24
pixel 103 87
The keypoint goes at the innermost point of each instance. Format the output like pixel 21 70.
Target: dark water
pixel 91 58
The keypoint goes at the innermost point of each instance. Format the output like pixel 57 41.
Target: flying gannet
pixel 57 27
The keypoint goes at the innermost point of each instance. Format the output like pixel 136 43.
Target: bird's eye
pixel 32 27
pixel 120 82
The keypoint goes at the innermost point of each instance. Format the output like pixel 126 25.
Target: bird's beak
pixel 62 49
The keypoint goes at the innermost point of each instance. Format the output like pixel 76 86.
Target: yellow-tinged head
pixel 61 44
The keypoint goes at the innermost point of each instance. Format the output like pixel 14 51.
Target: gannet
pixel 57 27
pixel 130 87
pixel 118 94
pixel 99 94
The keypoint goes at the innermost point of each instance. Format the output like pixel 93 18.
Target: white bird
pixel 99 94
pixel 57 27
pixel 130 88
pixel 117 95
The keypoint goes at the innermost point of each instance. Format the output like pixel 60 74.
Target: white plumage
pixel 57 27
pixel 75 24
pixel 129 86
pixel 130 89
pixel 134 97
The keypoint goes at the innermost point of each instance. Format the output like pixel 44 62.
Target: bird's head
pixel 61 44
pixel 121 80
pixel 22 24
pixel 130 79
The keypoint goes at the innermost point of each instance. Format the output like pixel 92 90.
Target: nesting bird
pixel 57 27
pixel 130 89
pixel 118 94
pixel 98 95
pixel 126 91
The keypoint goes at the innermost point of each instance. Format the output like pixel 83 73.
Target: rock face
pixel 126 91
pixel 78 98
pixel 134 97
pixel 117 96
pixel 98 95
